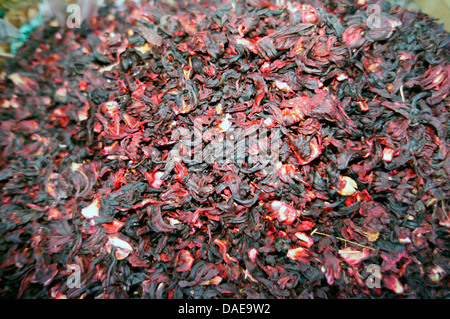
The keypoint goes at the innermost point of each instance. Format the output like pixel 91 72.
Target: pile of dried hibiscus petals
pixel 355 207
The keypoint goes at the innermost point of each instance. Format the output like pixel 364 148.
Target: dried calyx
pixel 227 149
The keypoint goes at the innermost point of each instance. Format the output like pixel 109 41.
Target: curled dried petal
pixel 283 212
pixel 123 248
pixel 353 256
pixel 347 186
pixel 393 283
pixel 184 261
pixel 300 254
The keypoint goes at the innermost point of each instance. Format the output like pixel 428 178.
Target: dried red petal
pixel 122 248
pixel 304 239
pixel 308 13
pixel 154 179
pixel 113 227
pixel 184 261
pixel 353 36
pixel 136 261
pixel 252 253
pixel 353 256
pixel 393 283
pixel 283 212
pixel 299 254
pixel 347 186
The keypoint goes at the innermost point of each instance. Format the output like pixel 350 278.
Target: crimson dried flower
pixel 252 149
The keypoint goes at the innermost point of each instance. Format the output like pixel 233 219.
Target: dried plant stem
pixel 402 94
pixel 343 239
